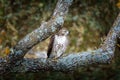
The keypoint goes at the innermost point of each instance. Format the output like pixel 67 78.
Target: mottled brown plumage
pixel 58 44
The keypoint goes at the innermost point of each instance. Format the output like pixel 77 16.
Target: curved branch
pixel 103 55
pixel 44 31
pixel 66 63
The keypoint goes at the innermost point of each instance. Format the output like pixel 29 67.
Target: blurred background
pixel 88 21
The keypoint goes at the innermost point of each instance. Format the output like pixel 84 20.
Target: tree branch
pixel 69 62
pixel 44 31
pixel 15 62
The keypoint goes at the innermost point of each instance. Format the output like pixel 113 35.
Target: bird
pixel 58 44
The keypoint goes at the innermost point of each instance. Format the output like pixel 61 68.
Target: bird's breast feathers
pixel 60 39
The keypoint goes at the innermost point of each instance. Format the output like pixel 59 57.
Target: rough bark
pixel 103 55
pixel 72 61
pixel 15 62
pixel 44 31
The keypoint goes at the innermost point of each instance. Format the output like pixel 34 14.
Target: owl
pixel 58 44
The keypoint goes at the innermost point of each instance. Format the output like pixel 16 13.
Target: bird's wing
pixel 50 46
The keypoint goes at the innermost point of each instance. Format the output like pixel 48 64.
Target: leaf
pixel 118 4
pixel 7 50
pixel 10 26
pixel 0 40
pixel 3 32
pixel 118 45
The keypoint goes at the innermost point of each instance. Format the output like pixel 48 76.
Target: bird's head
pixel 63 32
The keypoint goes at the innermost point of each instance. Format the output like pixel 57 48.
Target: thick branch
pixel 69 62
pixel 44 31
pixel 72 61
pixel 66 63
